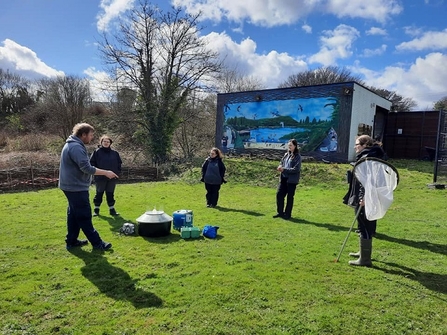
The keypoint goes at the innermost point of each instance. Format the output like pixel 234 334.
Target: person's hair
pixel 217 151
pixel 365 140
pixel 105 137
pixel 295 143
pixel 82 128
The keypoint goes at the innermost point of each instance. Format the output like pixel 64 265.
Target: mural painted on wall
pixel 270 124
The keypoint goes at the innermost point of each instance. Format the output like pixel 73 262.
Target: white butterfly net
pixel 379 179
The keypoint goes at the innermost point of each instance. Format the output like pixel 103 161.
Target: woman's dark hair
pixel 295 143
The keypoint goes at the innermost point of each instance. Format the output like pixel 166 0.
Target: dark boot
pixel 113 212
pixel 365 253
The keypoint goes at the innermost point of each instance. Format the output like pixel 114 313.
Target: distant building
pixel 324 119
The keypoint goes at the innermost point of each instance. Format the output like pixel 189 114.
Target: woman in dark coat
pixel 290 168
pixel 213 173
pixel 364 147
pixel 105 158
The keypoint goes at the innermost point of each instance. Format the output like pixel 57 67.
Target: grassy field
pixel 260 276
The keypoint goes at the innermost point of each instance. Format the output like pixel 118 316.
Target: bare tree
pixel 320 76
pixel 232 80
pixel 162 57
pixel 62 103
pixel 441 105
pixel 15 99
pixel 399 103
pixel 197 130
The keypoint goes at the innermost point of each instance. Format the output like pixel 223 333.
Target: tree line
pixel 161 92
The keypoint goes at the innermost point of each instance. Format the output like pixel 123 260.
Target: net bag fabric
pixel 380 179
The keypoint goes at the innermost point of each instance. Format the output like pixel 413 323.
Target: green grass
pixel 260 276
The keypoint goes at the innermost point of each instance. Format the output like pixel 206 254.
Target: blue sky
pixel 399 45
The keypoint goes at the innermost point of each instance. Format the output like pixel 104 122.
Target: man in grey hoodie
pixel 75 173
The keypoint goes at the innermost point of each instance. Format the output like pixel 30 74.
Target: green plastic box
pixel 185 232
pixel 195 232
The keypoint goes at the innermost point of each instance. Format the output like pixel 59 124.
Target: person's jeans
pixel 79 216
pixel 285 189
pixel 109 187
pixel 212 194
pixel 367 228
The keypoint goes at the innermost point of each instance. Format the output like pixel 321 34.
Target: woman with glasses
pixel 213 173
pixel 364 147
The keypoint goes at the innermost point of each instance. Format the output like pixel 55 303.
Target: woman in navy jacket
pixel 290 168
pixel 213 173
pixel 105 158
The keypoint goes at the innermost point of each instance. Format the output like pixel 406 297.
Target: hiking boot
pixel 78 243
pixel 96 212
pixel 113 212
pixel 102 246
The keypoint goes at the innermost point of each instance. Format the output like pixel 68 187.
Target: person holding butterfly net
pixel 365 148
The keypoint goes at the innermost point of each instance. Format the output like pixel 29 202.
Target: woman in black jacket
pixel 213 173
pixel 105 158
pixel 290 168
pixel 364 147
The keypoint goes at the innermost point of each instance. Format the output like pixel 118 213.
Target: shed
pixel 324 119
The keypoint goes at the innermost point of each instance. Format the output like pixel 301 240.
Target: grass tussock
pixel 260 276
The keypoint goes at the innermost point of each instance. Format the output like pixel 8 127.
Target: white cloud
pixel 271 68
pixel 378 10
pixel 376 31
pixel 335 44
pixel 307 28
pixel 430 40
pixel 101 84
pixel 413 31
pixel 374 52
pixel 23 61
pixel 271 13
pixel 424 81
pixel 111 9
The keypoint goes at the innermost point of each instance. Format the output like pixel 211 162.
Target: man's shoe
pixel 78 243
pixel 286 217
pixel 113 212
pixel 96 212
pixel 277 215
pixel 103 246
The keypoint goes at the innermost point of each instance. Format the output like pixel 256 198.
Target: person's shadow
pixel 113 281
pixel 433 281
pixel 328 226
pixel 424 245
pixel 224 209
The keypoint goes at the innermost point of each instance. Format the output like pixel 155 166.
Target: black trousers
pixel 107 186
pixel 212 194
pixel 367 228
pixel 285 189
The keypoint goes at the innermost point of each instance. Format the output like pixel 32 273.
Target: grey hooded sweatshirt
pixel 75 171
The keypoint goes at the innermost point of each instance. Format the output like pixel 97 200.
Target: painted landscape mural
pixel 270 124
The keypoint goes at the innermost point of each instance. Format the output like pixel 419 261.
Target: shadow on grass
pixel 116 222
pixel 424 245
pixel 223 209
pixel 174 237
pixel 433 281
pixel 113 281
pixel 328 226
